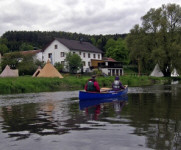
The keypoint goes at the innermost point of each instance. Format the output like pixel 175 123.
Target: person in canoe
pixel 117 85
pixel 92 85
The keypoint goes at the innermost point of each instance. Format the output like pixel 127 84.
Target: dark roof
pixel 77 45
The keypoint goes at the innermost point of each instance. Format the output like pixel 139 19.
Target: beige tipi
pixel 49 71
pixel 37 72
pixel 7 72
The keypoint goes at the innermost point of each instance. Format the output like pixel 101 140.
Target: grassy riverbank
pixel 69 82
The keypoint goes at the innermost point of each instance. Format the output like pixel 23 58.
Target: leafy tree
pixel 39 63
pixel 93 41
pixel 25 47
pixel 138 44
pixel 158 40
pixel 59 66
pixel 3 46
pixel 24 63
pixel 27 66
pixel 110 43
pixel 11 59
pixel 117 50
pixel 74 62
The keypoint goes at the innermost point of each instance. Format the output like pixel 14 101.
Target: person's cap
pixel 116 78
pixel 93 76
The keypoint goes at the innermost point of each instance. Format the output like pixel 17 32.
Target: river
pixel 150 118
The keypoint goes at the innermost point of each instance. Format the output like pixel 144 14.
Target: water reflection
pixel 157 118
pixel 93 107
pixel 149 117
pixel 20 121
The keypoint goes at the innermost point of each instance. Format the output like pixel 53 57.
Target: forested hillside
pixel 39 39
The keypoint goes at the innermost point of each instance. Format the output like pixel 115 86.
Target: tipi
pixel 156 72
pixel 49 71
pixel 174 73
pixel 7 72
pixel 37 72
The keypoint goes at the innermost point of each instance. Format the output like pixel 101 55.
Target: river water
pixel 149 118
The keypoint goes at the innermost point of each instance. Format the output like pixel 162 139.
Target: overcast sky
pixel 81 16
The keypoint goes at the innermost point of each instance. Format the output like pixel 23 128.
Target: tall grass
pixel 69 82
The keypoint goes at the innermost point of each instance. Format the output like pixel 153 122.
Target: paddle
pixel 105 90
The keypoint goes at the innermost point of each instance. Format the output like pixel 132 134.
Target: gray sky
pixel 81 16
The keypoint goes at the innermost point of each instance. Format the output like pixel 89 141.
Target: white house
pixel 57 49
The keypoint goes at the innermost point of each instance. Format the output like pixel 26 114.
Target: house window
pixel 50 55
pixel 98 56
pixel 89 64
pixel 83 63
pixel 84 55
pixel 62 54
pixel 94 55
pixel 88 55
pixel 80 53
pixel 56 46
pixel 62 62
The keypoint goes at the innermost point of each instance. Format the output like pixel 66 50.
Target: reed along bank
pixel 29 84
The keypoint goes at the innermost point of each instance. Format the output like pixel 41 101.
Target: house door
pixel 50 57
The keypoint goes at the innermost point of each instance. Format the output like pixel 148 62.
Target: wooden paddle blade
pixel 104 88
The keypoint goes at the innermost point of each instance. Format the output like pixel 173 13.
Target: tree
pixel 74 62
pixel 26 64
pixel 117 50
pixel 139 54
pixel 158 40
pixel 59 66
pixel 11 59
pixel 3 46
pixel 26 47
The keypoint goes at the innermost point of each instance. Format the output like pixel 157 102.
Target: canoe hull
pixel 88 103
pixel 92 95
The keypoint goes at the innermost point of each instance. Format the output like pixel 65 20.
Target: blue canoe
pixel 88 103
pixel 83 95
